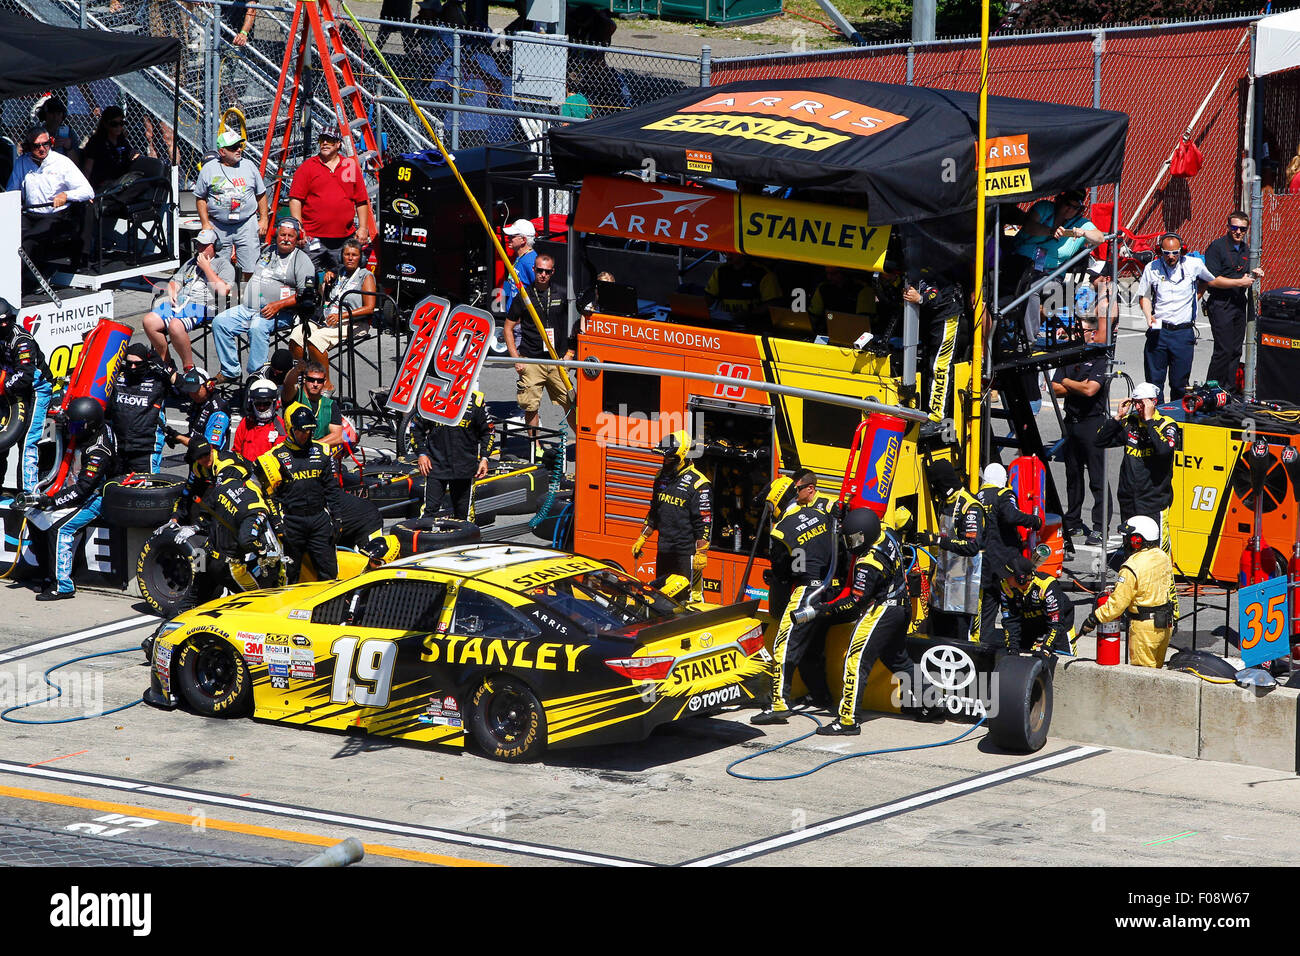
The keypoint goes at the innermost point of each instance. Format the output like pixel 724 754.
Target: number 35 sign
pixel 1262 621
pixel 447 350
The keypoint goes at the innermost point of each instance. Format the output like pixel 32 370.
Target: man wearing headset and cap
pixel 1146 580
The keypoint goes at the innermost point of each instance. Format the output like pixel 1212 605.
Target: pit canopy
pixel 1277 43
pixel 905 153
pixel 36 57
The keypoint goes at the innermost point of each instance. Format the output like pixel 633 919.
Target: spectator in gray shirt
pixel 268 302
pixel 229 195
pixel 192 297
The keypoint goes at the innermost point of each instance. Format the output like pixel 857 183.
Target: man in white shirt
pixel 1168 294
pixel 49 182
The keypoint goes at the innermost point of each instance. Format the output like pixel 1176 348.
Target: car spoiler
pixel 689 623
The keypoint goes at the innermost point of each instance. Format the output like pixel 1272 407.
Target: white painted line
pixel 127 624
pixel 321 816
pixel 907 804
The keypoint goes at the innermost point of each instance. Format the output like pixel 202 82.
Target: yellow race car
pixel 520 648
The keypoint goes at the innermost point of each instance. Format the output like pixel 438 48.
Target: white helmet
pixel 262 395
pixel 1143 528
pixel 1145 390
pixel 995 474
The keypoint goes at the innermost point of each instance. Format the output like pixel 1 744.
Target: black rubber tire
pixel 527 482
pixel 1202 662
pixel 391 483
pixel 418 535
pixel 15 414
pixel 507 721
pixel 212 677
pixel 1024 715
pixel 166 578
pixel 146 505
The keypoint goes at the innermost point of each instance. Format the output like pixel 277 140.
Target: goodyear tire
pixel 146 504
pixel 418 535
pixel 1202 663
pixel 213 678
pixel 391 483
pixel 166 577
pixel 15 414
pixel 507 720
pixel 1024 704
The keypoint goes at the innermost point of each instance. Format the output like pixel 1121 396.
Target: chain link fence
pixel 1157 74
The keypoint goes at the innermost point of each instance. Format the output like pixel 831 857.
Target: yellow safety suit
pixel 1146 580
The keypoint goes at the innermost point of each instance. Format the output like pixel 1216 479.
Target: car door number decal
pixel 371 663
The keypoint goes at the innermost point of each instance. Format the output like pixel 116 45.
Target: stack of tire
pixel 422 535
pixel 396 488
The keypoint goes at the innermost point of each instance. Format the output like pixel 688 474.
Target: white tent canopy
pixel 1277 43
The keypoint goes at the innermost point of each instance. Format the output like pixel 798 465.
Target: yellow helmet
pixel 676 447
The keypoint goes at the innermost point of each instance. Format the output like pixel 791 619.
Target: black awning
pixel 905 153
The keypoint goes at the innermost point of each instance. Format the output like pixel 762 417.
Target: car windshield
pixel 604 601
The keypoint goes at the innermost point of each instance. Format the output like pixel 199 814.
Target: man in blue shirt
pixel 1051 233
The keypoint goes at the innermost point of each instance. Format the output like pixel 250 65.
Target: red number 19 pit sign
pixel 448 348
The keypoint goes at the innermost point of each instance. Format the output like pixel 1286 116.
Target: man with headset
pixel 1167 293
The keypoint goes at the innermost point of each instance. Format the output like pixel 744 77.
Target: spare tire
pixel 165 571
pixel 418 535
pixel 15 414
pixel 145 502
pixel 511 494
pixel 1203 664
pixel 1024 714
pixel 390 484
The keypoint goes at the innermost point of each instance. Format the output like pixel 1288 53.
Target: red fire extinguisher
pixel 1107 638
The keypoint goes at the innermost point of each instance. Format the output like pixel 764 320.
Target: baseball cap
pixel 193 380
pixel 229 138
pixel 205 236
pixel 521 227
pixel 1146 390
pixel 330 131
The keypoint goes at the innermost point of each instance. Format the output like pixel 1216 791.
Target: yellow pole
pixel 478 210
pixel 976 425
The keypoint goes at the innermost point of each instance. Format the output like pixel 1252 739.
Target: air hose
pixel 557 477
pixel 835 760
pixel 4 714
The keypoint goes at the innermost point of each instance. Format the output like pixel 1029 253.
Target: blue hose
pixel 821 766
pixel 557 477
pixel 4 714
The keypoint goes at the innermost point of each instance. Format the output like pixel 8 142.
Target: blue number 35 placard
pixel 1262 623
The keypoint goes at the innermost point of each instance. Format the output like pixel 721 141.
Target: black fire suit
pixel 454 452
pixel 303 482
pixel 1001 544
pixel 135 413
pixel 201 478
pixel 359 521
pixel 802 549
pixel 945 337
pixel 1146 484
pixel 1042 615
pixel 681 510
pixel 240 521
pixel 28 378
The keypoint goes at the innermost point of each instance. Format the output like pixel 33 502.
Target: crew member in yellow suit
pixel 1146 580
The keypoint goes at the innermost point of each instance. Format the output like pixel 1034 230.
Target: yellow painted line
pixel 249 829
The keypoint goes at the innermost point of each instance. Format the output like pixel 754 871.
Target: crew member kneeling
pixel 1146 580
pixel 299 474
pixel 1037 614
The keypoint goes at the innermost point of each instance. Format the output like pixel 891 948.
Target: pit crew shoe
pixel 56 595
pixel 770 717
pixel 837 729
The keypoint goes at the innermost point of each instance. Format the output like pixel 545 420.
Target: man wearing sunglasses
pixel 231 198
pixel 551 300
pixel 1229 309
pixel 1168 292
pixel 49 182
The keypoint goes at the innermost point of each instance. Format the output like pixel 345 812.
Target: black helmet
pixel 1020 569
pixel 861 529
pixel 85 418
pixel 300 416
pixel 8 315
pixel 943 479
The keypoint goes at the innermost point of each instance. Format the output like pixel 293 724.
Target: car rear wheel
pixel 165 573
pixel 507 720
pixel 213 678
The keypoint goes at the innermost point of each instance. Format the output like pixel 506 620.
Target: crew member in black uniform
pixel 877 596
pixel 135 409
pixel 239 528
pixel 1229 310
pixel 299 474
pixel 1037 614
pixel 944 338
pixel 681 510
pixel 28 378
pixel 1002 523
pixel 209 413
pixel 1083 388
pixel 64 511
pixel 208 465
pixel 452 458
pixel 968 523
pixel 803 548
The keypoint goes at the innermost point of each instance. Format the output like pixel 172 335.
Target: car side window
pixel 481 615
pixel 389 605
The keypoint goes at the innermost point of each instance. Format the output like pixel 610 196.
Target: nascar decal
pixel 528 655
pixel 832 112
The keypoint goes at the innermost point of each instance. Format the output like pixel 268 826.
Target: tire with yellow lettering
pixel 165 575
pixel 212 677
pixel 140 501
pixel 15 413
pixel 507 720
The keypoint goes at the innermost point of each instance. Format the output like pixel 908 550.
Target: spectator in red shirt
pixel 327 196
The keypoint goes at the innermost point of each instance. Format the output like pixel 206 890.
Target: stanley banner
pixel 728 222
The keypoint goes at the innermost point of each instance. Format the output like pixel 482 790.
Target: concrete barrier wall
pixel 1170 712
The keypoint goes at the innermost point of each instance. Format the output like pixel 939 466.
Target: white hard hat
pixel 995 474
pixel 1146 390
pixel 1146 527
